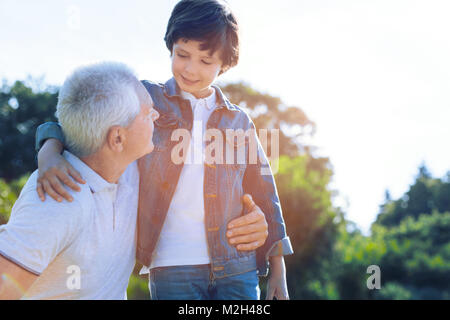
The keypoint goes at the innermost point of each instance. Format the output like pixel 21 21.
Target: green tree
pixel 303 187
pixel 417 259
pixel 22 109
pixel 311 223
pixel 415 231
pixel 269 112
pixel 9 192
pixel 423 197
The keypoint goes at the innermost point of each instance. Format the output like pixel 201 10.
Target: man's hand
pixel 277 285
pixel 248 232
pixel 54 172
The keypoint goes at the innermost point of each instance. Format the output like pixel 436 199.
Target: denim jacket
pixel 224 184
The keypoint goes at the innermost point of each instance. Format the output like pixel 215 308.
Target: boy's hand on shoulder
pixel 54 171
pixel 250 231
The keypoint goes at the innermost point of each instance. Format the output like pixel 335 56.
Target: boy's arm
pixel 260 183
pixel 54 170
pixel 48 130
pixel 277 285
pixel 14 280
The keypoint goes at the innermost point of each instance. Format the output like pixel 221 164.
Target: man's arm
pixel 33 237
pixel 14 280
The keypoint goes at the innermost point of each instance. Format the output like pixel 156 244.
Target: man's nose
pixel 156 115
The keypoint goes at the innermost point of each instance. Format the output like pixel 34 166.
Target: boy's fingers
pixel 248 202
pixel 69 182
pixel 270 293
pixel 40 191
pixel 282 296
pixel 49 190
pixel 59 189
pixel 76 175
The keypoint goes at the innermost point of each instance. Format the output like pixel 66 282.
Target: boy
pixel 184 208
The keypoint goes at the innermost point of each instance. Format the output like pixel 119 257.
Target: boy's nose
pixel 189 69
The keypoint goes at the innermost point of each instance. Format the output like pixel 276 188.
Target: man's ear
pixel 116 138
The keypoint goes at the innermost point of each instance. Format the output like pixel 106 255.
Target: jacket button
pixel 210 165
pixel 165 185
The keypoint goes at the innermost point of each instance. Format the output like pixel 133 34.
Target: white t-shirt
pixel 183 236
pixel 83 249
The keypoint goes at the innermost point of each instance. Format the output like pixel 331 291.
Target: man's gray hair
pixel 92 100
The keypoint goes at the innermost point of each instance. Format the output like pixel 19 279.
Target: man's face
pixel 194 69
pixel 140 131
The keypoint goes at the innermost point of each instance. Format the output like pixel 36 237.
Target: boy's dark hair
pixel 209 21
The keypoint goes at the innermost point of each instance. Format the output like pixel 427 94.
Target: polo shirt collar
pixel 171 89
pixel 93 179
pixel 210 101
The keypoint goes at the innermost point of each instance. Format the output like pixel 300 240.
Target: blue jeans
pixel 195 282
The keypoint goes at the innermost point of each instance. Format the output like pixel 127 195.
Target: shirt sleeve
pixel 260 183
pixel 46 131
pixel 38 231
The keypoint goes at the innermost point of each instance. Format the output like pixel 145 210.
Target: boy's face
pixel 193 69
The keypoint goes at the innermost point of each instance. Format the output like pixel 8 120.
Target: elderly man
pixel 84 249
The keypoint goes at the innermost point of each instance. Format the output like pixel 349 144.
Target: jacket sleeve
pixel 46 131
pixel 259 182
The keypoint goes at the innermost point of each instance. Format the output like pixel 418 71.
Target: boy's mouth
pixel 188 82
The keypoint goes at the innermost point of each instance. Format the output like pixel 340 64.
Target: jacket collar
pixel 171 89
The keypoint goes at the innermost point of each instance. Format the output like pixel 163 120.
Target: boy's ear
pixel 116 138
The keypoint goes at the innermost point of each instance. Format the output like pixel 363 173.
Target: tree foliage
pixel 22 109
pixel 269 112
pixel 425 196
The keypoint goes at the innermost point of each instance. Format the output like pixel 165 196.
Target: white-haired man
pixel 84 249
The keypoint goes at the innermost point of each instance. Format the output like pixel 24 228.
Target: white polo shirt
pixel 183 236
pixel 83 249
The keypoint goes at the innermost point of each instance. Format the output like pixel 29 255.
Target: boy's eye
pixel 208 63
pixel 181 56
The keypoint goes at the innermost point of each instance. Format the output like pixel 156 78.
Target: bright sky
pixel 373 75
